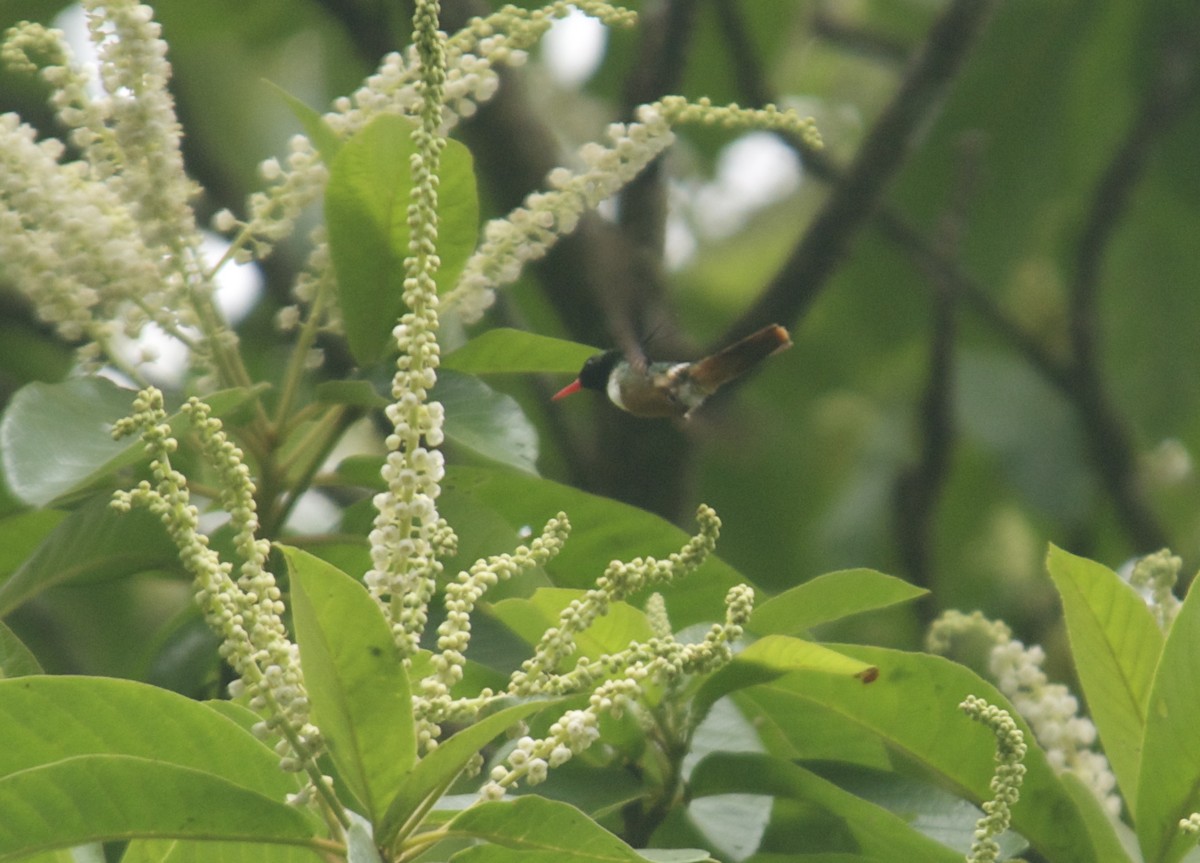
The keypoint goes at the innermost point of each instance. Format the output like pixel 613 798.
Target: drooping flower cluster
pixel 454 633
pixel 539 674
pixel 106 243
pixel 1006 781
pixel 472 57
pixel 1049 708
pixel 660 661
pixel 616 680
pixel 528 232
pixel 247 612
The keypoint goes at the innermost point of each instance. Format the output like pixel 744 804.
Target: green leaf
pixel 184 655
pixel 923 805
pixel 775 656
pixel 55 439
pixel 831 597
pixel 487 422
pixel 1101 826
pixel 201 851
pixel 912 709
pixel 1116 646
pixel 530 618
pixel 45 719
pixel 356 393
pixel 496 854
pixel 434 773
pixel 360 848
pixel 536 826
pixel 357 685
pixel 478 418
pixel 93 543
pixel 91 798
pixel 1169 779
pixel 21 533
pixel 508 351
pixel 366 211
pixel 879 833
pixel 314 124
pixel 16 660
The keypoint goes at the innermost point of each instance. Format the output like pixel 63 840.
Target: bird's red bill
pixel 573 387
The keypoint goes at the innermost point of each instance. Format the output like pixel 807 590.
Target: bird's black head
pixel 595 371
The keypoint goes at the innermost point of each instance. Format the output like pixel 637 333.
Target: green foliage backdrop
pixel 1047 193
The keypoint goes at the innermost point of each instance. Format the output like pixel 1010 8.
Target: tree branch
pixel 1109 438
pixel 919 487
pixel 857 197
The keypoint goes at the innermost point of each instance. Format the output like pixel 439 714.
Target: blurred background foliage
pixel 989 274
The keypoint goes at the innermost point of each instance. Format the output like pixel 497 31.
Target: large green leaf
pixel 1101 826
pixel 478 418
pixel 45 719
pixel 498 854
pixel 55 439
pixel 775 656
pixel 93 543
pixel 201 851
pixel 357 685
pixel 16 660
pixel 912 708
pixel 366 212
pixel 325 139
pixel 1116 646
pixel 486 422
pixel 877 832
pixel 532 825
pixel 1169 781
pixel 831 597
pixel 91 798
pixel 20 534
pixel 507 351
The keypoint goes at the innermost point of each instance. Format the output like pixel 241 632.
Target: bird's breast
pixel 663 390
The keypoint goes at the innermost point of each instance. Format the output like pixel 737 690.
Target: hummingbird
pixel 671 389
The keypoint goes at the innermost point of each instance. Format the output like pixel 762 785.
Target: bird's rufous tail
pixel 725 365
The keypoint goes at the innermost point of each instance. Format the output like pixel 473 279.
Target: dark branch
pixel 883 152
pixel 1108 436
pixel 919 488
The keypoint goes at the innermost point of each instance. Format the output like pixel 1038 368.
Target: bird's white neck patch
pixel 613 389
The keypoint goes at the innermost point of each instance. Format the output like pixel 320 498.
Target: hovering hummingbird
pixel 674 389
